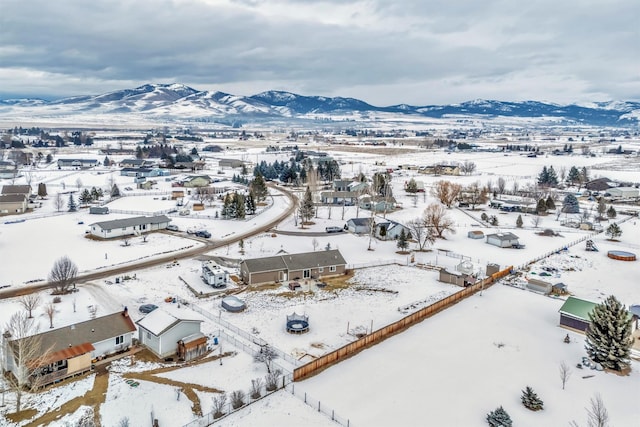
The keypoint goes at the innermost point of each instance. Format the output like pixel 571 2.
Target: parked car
pixel 147 308
pixel 333 230
pixel 203 233
pixel 172 227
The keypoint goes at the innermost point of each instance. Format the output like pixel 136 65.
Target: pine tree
pixel 259 187
pixel 115 191
pixel 306 207
pixel 541 207
pixel 499 418
pixel 106 162
pixel 85 196
pixel 611 212
pixel 42 190
pixel 574 175
pixel 551 205
pixel 613 231
pixel 530 400
pixel 609 337
pixel 250 204
pixel 552 177
pixel 411 187
pixel 402 241
pixel 602 207
pixel 519 221
pixel 71 205
pixel 543 178
pixel 239 202
pixel 570 204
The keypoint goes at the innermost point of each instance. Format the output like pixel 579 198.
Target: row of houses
pixel 72 350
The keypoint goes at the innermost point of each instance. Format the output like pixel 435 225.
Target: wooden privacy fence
pixel 316 366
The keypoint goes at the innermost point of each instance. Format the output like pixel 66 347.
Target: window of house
pixel 320 269
pixel 306 274
pixel 120 339
pixel 332 269
pixel 148 335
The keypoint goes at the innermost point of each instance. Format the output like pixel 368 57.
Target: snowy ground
pixel 448 370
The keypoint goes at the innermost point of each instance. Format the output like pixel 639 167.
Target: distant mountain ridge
pixel 179 102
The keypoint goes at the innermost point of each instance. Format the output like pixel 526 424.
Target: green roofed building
pixel 574 313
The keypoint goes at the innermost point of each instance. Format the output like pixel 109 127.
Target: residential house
pixel 129 226
pixel 77 163
pixel 196 181
pixel 146 184
pixel 440 169
pixel 13 204
pixel 162 330
pixel 599 184
pixel 287 267
pixel 503 240
pixel 347 198
pixel 377 203
pixel 391 229
pixel 16 189
pixel 359 225
pixel 136 163
pixel 70 351
pixel 143 172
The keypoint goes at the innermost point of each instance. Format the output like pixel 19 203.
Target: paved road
pixel 208 246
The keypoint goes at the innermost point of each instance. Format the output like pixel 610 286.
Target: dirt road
pixel 208 246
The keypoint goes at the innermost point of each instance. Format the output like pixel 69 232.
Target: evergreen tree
pixel 552 177
pixel 611 212
pixel 584 175
pixel 239 201
pixel 71 205
pixel 402 241
pixel 541 208
pixel 306 207
pixel 543 178
pixel 259 187
pixel 139 153
pixel 551 205
pixel 530 400
pixel 602 207
pixel 499 418
pixel 570 204
pixel 115 191
pixel 519 221
pixel 613 231
pixel 106 162
pixel 250 204
pixel 42 190
pixel 609 337
pixel 85 196
pixel 49 158
pixel 574 175
pixel 411 187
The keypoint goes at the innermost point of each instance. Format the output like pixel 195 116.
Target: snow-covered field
pixel 448 370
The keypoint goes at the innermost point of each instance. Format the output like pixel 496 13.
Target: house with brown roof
pixel 70 350
pixel 285 267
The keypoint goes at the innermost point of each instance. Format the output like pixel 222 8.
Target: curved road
pixel 209 245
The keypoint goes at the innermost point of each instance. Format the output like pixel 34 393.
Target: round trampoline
pixel 297 323
pixel 622 255
pixel 233 304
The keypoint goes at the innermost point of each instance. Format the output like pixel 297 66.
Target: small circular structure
pixel 297 323
pixel 622 255
pixel 233 304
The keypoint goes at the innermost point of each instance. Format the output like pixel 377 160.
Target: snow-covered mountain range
pixel 180 102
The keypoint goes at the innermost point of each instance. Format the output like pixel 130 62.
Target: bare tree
pixel 271 380
pixel 126 240
pixel 24 354
pixel 78 183
pixel 237 399
pixel 62 275
pixel 421 233
pixel 256 388
pixel 536 220
pixel 516 187
pixel 50 311
pixel 467 167
pixel 597 414
pixel 219 402
pixel 565 373
pixel 502 185
pixel 30 302
pixel 475 194
pixel 315 244
pixel 266 355
pixel 58 202
pixel 435 217
pixel 446 192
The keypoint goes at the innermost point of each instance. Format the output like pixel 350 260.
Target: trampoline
pixel 297 323
pixel 233 304
pixel 622 255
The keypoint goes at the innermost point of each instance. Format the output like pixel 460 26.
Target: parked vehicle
pixel 203 233
pixel 147 308
pixel 333 230
pixel 172 227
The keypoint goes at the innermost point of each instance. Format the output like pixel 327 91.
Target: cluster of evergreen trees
pixel 238 205
pixel 239 179
pixel 297 171
pixel 548 177
pixel 524 147
pixel 88 196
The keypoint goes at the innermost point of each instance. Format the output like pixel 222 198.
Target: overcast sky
pixel 418 52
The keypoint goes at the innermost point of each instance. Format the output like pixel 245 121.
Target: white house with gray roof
pixel 287 267
pixel 129 226
pixel 162 329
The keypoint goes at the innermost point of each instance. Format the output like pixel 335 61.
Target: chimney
pixel 125 312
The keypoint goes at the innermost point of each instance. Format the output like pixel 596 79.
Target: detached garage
pixel 574 313
pixel 167 333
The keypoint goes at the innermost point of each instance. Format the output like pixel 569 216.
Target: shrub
pixel 237 399
pixel 530 399
pixel 499 418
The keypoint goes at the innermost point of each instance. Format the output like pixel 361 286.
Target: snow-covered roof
pixel 160 320
pixel 129 222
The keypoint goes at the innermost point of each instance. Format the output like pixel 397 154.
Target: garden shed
pixel 574 313
pixel 475 234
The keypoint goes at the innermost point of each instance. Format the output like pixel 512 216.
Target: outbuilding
pixel 574 313
pixel 503 240
pixel 359 225
pixel 161 331
pixel 623 192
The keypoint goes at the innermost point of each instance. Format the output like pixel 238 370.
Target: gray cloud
pixel 384 52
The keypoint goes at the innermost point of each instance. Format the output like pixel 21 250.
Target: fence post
pixel 318 406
